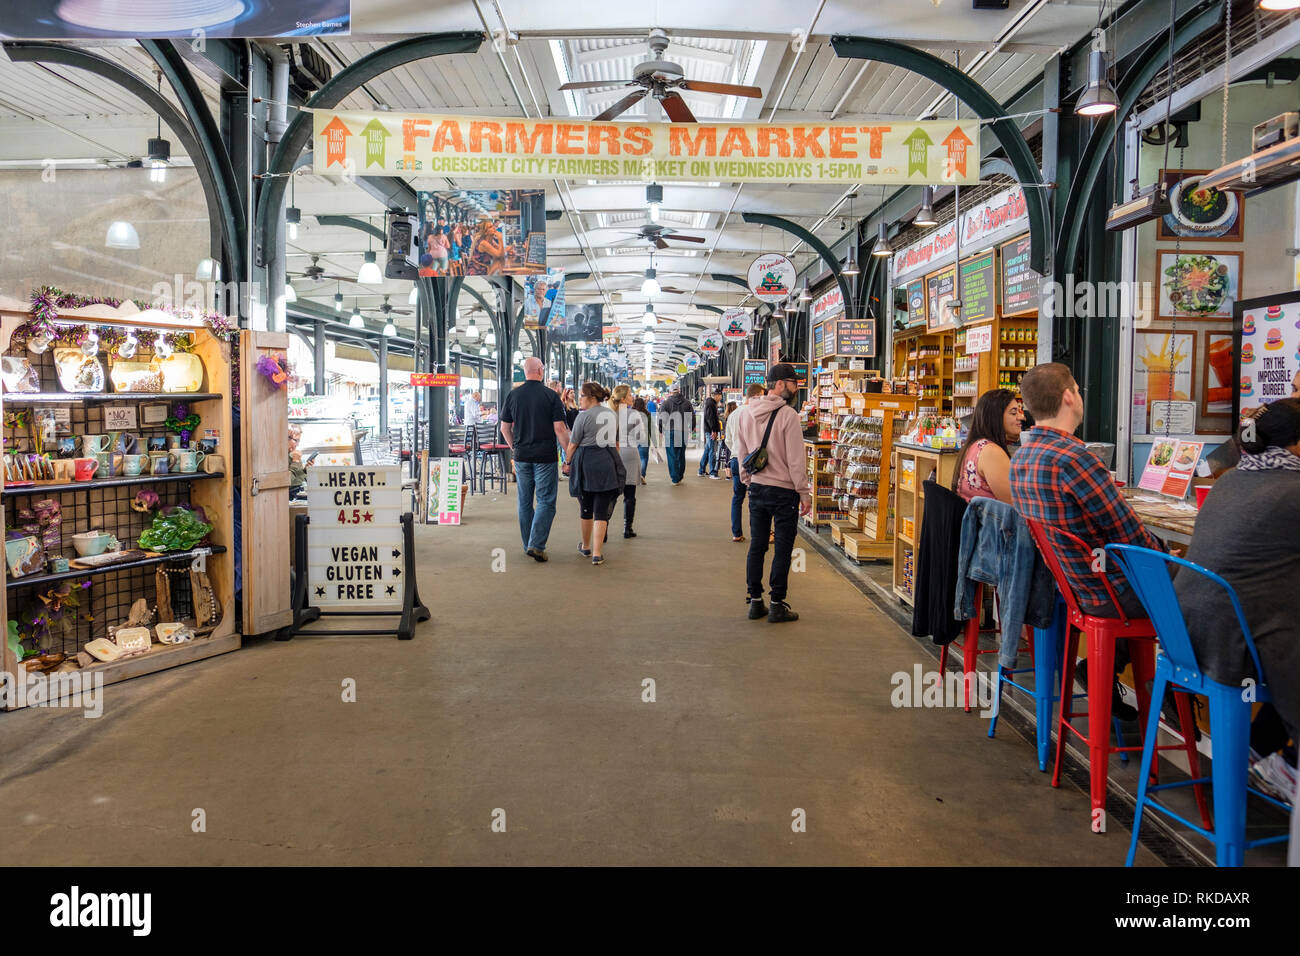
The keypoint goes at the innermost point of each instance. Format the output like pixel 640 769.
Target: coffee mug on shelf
pixel 133 465
pixel 84 468
pixel 159 463
pixel 90 543
pixel 174 443
pixel 108 464
pixel 92 445
pixel 186 460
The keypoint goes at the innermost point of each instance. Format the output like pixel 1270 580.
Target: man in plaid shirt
pixel 1056 481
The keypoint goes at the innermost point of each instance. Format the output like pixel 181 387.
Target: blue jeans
pixel 707 462
pixel 644 452
pixel 675 452
pixel 542 478
pixel 738 490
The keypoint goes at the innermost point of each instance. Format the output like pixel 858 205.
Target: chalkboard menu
pixel 755 372
pixel 536 249
pixel 801 370
pixel 1020 284
pixel 939 293
pixel 978 287
pixel 916 303
pixel 856 338
pixel 819 341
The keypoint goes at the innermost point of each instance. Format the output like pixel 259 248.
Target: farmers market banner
pixel 425 144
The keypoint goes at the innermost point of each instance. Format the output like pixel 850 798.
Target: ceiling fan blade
pixel 621 106
pixel 727 89
pixel 677 109
pixel 660 244
pixel 595 84
pixel 401 311
pixel 678 237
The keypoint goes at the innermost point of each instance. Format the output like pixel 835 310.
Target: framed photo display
pixel 1197 284
pixel 1199 215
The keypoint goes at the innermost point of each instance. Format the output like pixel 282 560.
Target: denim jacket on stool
pixel 997 549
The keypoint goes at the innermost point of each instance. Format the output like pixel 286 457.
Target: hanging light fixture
pixel 159 150
pixel 482 350
pixel 648 337
pixel 1276 5
pixel 389 329
pixel 290 293
pixel 649 320
pixel 369 273
pixel 651 284
pixel 471 330
pixel 128 346
pixel 654 198
pixel 292 215
pixel 804 294
pixel 518 356
pixel 882 248
pixel 208 270
pixel 1099 98
pixel 338 300
pixel 491 337
pixel 122 235
pixel 90 344
pixel 925 215
pixel 355 320
pixel 851 260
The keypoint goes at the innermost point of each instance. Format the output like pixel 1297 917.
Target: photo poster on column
pixel 1162 370
pixel 495 231
pixel 580 323
pixel 1267 357
pixel 544 299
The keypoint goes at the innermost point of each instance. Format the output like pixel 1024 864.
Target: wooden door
pixel 264 486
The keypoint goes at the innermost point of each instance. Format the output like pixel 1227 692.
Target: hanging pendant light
pixel 925 215
pixel 654 198
pixel 649 320
pixel 804 294
pixel 648 337
pixel 1274 6
pixel 1099 98
pixel 369 273
pixel 851 261
pixel 355 320
pixel 882 247
pixel 158 150
pixel 651 284
pixel 122 235
pixel 290 293
pixel 491 337
pixel 471 330
pixel 338 300
pixel 389 329
pixel 292 215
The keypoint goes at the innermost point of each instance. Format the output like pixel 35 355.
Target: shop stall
pixel 118 489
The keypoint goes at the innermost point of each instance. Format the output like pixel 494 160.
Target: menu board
pixel 819 341
pixel 916 303
pixel 755 372
pixel 801 370
pixel 355 555
pixel 940 289
pixel 978 287
pixel 1021 285
pixel 1170 466
pixel 856 338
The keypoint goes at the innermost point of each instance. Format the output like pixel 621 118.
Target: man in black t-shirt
pixel 532 421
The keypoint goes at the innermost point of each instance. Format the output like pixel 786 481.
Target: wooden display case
pixel 104 502
pixel 819 479
pixel 913 464
pixel 925 361
pixel 869 513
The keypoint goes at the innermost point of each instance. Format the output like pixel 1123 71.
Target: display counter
pixel 913 464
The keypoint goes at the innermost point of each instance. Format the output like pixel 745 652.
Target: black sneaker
pixel 757 609
pixel 629 533
pixel 780 612
pixel 1169 711
pixel 585 552
pixel 537 554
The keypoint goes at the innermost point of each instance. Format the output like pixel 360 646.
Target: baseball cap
pixel 781 372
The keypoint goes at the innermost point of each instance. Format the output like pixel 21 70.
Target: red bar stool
pixel 970 646
pixel 1102 632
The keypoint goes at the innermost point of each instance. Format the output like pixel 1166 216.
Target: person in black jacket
pixel 712 432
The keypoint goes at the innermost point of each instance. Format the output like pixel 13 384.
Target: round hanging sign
pixel 735 324
pixel 681 368
pixel 692 361
pixel 710 342
pixel 771 277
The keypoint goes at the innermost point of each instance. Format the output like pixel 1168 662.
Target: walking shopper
pixel 532 419
pixel 778 487
pixel 643 449
pixel 630 439
pixel 712 431
pixel 595 468
pixel 676 419
pixel 723 449
pixel 738 487
pixel 570 407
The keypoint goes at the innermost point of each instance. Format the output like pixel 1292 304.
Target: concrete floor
pixel 524 694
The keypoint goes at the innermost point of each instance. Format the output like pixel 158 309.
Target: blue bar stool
pixel 1177 668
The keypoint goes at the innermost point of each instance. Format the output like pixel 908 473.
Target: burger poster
pixel 1270 353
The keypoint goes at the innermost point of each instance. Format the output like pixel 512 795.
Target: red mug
pixel 85 468
pixel 1201 492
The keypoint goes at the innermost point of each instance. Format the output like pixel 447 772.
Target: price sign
pixel 856 337
pixel 435 379
pixel 979 339
pixel 357 554
pixel 755 372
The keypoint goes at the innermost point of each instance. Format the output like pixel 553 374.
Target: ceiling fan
pixel 387 309
pixel 662 79
pixel 657 236
pixel 316 273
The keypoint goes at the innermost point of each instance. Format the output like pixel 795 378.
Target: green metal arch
pixel 345 82
pixel 798 231
pixel 351 222
pixel 224 213
pixel 1139 76
pixel 985 106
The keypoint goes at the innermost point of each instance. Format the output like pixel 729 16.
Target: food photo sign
pixel 356 552
pixel 1269 356
pixel 1170 466
pixel 1198 285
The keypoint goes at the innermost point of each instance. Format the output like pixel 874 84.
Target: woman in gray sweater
pixel 1248 531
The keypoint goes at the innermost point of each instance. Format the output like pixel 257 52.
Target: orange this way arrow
pixel 336 135
pixel 957 141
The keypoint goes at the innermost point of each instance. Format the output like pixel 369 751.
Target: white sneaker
pixel 717 477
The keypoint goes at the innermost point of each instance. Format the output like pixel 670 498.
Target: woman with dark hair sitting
pixel 984 464
pixel 1246 532
pixel 595 468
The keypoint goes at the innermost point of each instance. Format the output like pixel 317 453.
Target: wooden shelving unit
pixel 912 466
pixel 103 503
pixel 819 479
pixel 869 514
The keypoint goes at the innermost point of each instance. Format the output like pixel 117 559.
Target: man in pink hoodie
pixel 779 493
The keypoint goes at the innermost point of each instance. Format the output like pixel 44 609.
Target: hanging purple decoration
pixel 275 368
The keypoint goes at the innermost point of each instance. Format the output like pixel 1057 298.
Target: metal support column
pixel 383 385
pixel 318 358
pixel 434 302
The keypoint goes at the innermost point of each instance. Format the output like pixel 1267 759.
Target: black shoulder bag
pixel 756 460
